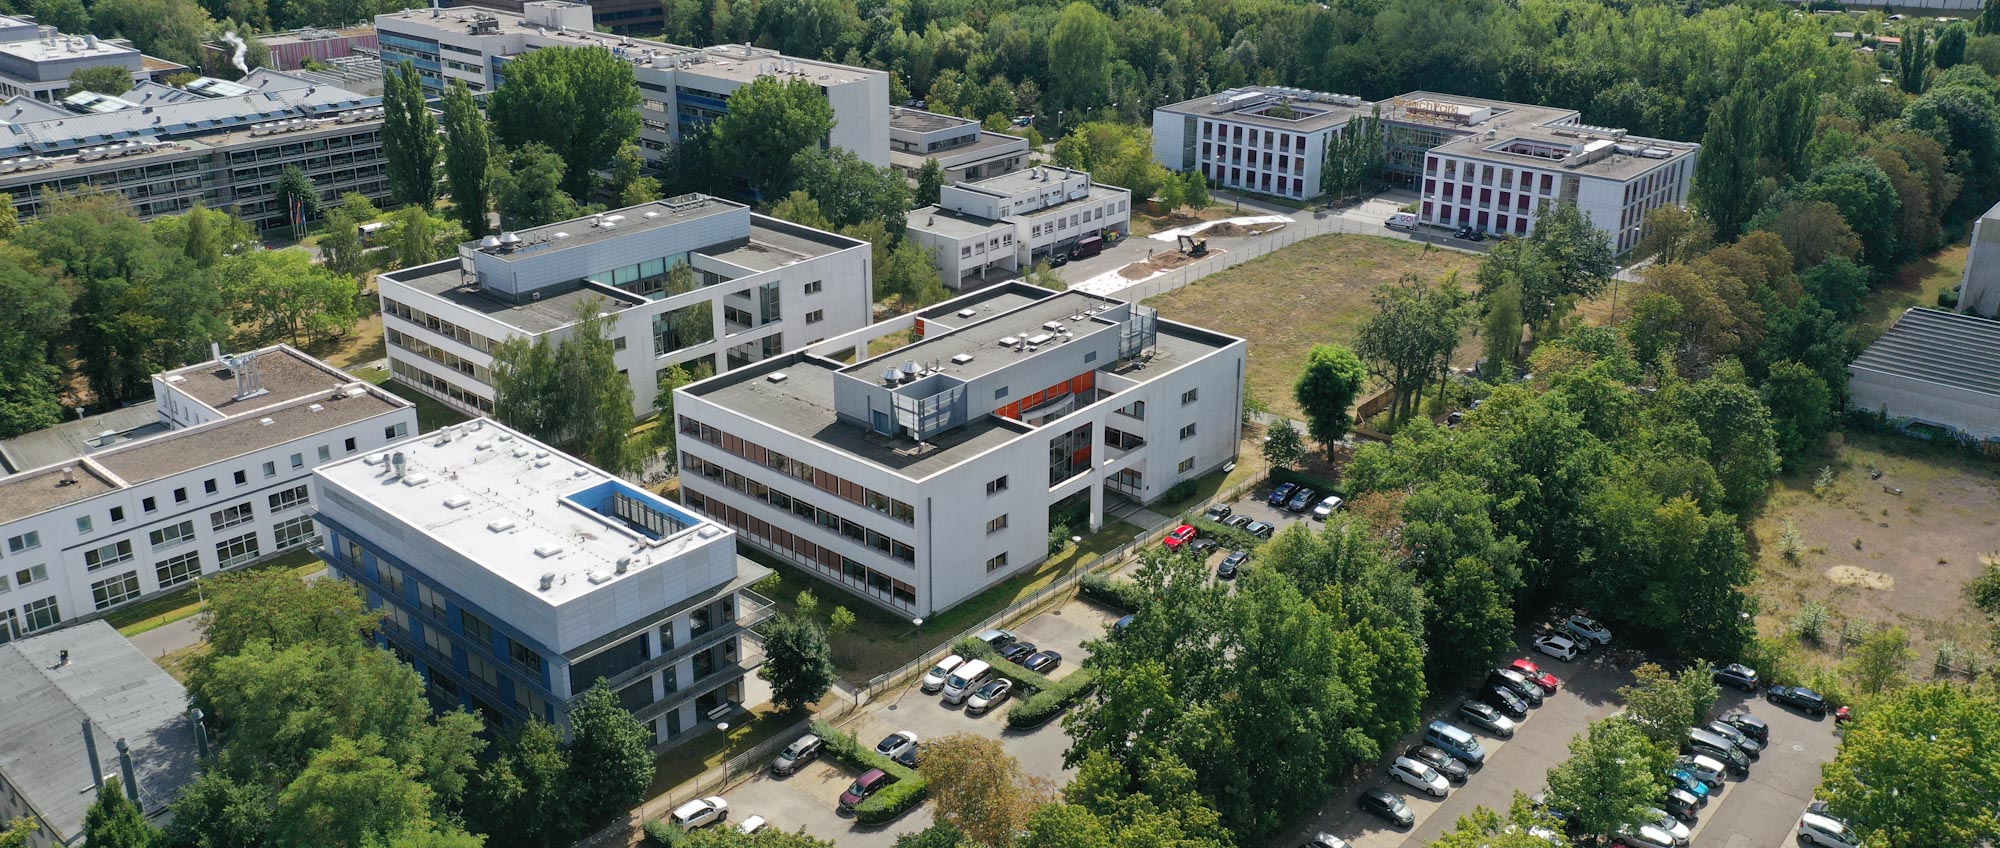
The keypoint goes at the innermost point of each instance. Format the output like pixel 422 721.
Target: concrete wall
pixel 1979 292
pixel 1901 397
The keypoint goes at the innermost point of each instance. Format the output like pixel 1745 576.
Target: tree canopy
pixel 544 96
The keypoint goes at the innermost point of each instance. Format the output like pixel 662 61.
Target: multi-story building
pixel 680 87
pixel 227 484
pixel 514 577
pixel 1485 164
pixel 214 143
pixel 290 50
pixel 83 705
pixel 916 478
pixel 761 286
pixel 1010 221
pixel 36 62
pixel 960 146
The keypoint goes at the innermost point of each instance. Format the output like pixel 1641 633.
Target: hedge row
pixel 1044 705
pixel 909 789
pixel 1121 595
pixel 1233 538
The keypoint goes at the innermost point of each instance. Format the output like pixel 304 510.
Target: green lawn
pixel 1249 465
pixel 1917 283
pixel 186 601
pixel 686 761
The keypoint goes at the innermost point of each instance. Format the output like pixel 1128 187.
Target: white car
pixel 1706 769
pixel 1584 628
pixel 934 681
pixel 1327 507
pixel 1542 833
pixel 1647 836
pixel 751 825
pixel 1673 826
pixel 993 694
pixel 894 743
pixel 1816 829
pixel 1557 646
pixel 701 813
pixel 1421 776
pixel 1323 839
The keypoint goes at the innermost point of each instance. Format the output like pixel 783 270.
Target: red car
pixel 1181 536
pixel 870 782
pixel 1533 672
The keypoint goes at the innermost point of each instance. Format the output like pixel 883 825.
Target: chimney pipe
pixel 62 656
pixel 125 767
pixel 90 752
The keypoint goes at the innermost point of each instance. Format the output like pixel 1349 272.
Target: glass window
pixel 41 615
pixel 996 524
pixel 171 535
pixel 431 600
pixel 475 628
pixel 112 554
pixel 178 569
pixel 25 542
pixel 31 574
pixel 237 551
pixel 997 486
pixel 83 524
pixel 231 516
pixel 997 562
pixel 294 532
pixel 112 591
pixel 148 504
pixel 208 486
pixel 117 514
pixel 241 477
pixel 270 469
pixel 524 657
pixel 294 496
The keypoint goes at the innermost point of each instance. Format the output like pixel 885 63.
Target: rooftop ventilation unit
pixel 548 580
pixel 416 479
pixel 489 242
pixel 775 377
pixel 597 578
pixel 1052 325
pixel 546 551
pixel 542 463
pixel 651 215
pixel 314 407
pixel 509 240
pixel 967 313
pixel 892 375
pixel 1040 339
pixel 624 564
pixel 961 359
pixel 265 422
pixel 911 369
pixel 456 501
pixel 485 445
pixel 1010 341
pixel 500 525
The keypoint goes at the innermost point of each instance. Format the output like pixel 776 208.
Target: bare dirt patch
pixel 1164 261
pixel 1871 555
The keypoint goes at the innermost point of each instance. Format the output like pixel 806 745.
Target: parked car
pixel 1435 757
pixel 751 825
pixel 1302 500
pixel 1738 675
pixel 1504 701
pixel 1645 836
pixel 1488 718
pixel 1323 839
pixel 1259 529
pixel 910 755
pixel 1419 776
pixel 997 638
pixel 1123 624
pixel 989 696
pixel 1454 740
pixel 1557 647
pixel 1671 825
pixel 1750 747
pixel 1586 629
pixel 1379 802
pixel 1180 536
pixel 1683 780
pixel 1231 564
pixel 1327 507
pixel 803 750
pixel 1282 494
pixel 1799 698
pixel 1707 744
pixel 1516 683
pixel 1706 769
pixel 1749 725
pixel 1018 651
pixel 894 743
pixel 1202 547
pixel 1217 512
pixel 1681 804
pixel 934 679
pixel 1058 258
pixel 1042 662
pixel 1239 521
pixel 700 813
pixel 1468 234
pixel 1529 669
pixel 869 783
pixel 1816 829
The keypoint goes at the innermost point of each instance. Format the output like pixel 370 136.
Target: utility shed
pixel 1933 367
pixel 56 682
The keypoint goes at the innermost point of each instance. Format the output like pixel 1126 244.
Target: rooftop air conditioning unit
pixel 775 377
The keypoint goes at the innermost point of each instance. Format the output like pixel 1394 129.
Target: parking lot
pixel 1253 504
pixel 810 797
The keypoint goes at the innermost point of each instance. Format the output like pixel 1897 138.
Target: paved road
pixel 1759 812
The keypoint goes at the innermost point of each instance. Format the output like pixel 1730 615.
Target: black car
pixel 1017 651
pixel 1240 521
pixel 1468 233
pixel 1057 259
pixel 1282 494
pixel 1517 683
pixel 1259 529
pixel 1378 802
pixel 1201 548
pixel 1750 747
pixel 1217 512
pixel 1503 699
pixel 1042 662
pixel 1738 675
pixel 1436 758
pixel 1230 564
pixel 1749 725
pixel 1799 698
pixel 909 756
pixel 1123 624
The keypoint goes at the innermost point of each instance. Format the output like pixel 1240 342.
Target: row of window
pixel 1236 134
pixel 439 326
pixel 1078 220
pixel 827 563
pixel 422 379
pixel 1221 175
pixel 395 583
pixel 834 523
pixel 440 356
pixel 801 471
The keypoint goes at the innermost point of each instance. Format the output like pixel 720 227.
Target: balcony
pixel 752 609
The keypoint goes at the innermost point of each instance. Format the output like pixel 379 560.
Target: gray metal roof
pixel 122 693
pixel 73 439
pixel 271 96
pixel 1941 348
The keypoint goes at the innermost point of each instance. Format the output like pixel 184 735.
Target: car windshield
pixel 1584 623
pixel 991 689
pixel 860 787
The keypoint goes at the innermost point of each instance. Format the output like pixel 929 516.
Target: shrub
pixel 1948 298
pixel 1225 535
pixel 1810 623
pixel 1044 705
pixel 1122 595
pixel 891 801
pixel 662 833
pixel 1179 491
pixel 1058 539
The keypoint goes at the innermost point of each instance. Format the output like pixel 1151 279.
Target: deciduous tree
pixel 410 141
pixel 114 821
pixel 929 180
pixel 1080 56
pixel 1801 409
pixel 1881 662
pixel 348 796
pixel 468 153
pixel 981 790
pixel 1326 389
pixel 1918 768
pixel 798 662
pixel 1613 775
pixel 579 102
pixel 568 393
pixel 416 236
pixel 528 189
pixel 611 758
pixel 769 123
pixel 1283 447
pixel 103 79
pixel 851 191
pixel 1664 706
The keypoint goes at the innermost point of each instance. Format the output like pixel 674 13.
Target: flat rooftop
pixel 631 220
pixel 554 311
pixel 983 304
pixel 775 244
pixel 1024 181
pixel 918 120
pixel 950 224
pixel 803 406
pixel 1514 116
pixel 982 339
pixel 32 492
pixel 72 439
pixel 65 47
pixel 284 373
pixel 550 509
pixel 1313 110
pixel 996 144
pixel 186 450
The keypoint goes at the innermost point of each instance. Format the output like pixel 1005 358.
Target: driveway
pixel 809 799
pixel 1758 812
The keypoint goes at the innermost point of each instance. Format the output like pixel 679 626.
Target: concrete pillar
pixel 1096 506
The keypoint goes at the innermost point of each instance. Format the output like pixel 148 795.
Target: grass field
pixel 1875 556
pixel 1312 292
pixel 1916 284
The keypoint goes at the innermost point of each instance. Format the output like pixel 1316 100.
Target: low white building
pixel 1011 221
pixel 1934 368
pixel 962 149
pixel 514 577
pixel 226 484
pixel 1267 139
pixel 762 286
pixel 917 478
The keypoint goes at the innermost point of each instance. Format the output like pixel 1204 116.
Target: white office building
pixel 680 86
pixel 762 286
pixel 1009 222
pixel 514 577
pixel 916 478
pixel 225 484
pixel 961 147
pixel 36 61
pixel 1267 139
